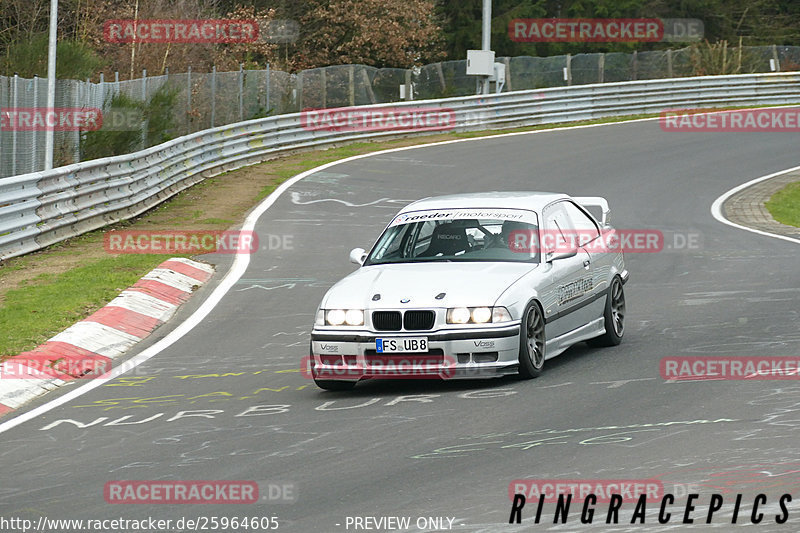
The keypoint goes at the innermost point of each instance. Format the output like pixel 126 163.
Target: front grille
pixel 418 320
pixel 386 320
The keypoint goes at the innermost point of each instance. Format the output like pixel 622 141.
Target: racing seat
pixel 447 239
pixel 519 237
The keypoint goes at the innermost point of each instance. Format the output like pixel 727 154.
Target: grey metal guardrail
pixel 42 208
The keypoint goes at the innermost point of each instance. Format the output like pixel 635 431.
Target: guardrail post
pixel 102 90
pixel 601 67
pixel 568 70
pixel 441 76
pixel 144 103
pixel 507 61
pixel 299 89
pixel 409 96
pixel 213 94
pixel 368 85
pixel 15 104
pixel 324 83
pixel 2 104
pixel 268 80
pixel 34 134
pixel 669 63
pixel 241 92
pixel 188 98
pixel 81 95
pixel 351 87
pixel 739 57
pixel 775 57
pixel 634 66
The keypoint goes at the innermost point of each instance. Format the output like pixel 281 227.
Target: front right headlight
pixel 477 315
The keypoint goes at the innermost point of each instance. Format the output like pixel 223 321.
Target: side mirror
pixel 564 254
pixel 358 256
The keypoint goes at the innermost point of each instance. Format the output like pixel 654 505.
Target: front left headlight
pixel 340 317
pixel 477 315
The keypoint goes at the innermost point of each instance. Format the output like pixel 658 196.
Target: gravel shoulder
pixel 746 207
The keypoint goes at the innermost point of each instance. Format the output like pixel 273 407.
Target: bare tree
pixel 383 33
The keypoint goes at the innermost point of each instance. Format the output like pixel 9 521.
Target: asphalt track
pixel 450 449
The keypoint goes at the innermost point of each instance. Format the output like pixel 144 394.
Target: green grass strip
pixel 784 205
pixel 50 303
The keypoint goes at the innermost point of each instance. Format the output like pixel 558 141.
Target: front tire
pixel 531 342
pixel 613 316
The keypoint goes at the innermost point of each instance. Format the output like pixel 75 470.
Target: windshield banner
pixel 517 215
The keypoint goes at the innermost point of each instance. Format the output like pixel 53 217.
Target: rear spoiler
pixel 595 201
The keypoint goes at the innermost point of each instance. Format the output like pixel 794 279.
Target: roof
pixel 534 201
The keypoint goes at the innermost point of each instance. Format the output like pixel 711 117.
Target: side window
pixel 585 228
pixel 557 228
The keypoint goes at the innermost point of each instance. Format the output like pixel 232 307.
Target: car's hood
pixel 464 284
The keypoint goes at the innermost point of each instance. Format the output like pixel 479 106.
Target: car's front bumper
pixel 452 354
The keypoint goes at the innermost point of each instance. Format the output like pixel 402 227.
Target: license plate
pixel 401 345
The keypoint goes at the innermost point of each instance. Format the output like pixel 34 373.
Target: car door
pixel 569 279
pixel 590 238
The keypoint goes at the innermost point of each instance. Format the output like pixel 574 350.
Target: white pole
pixel 487 25
pixel 35 134
pixel 51 82
pixel 486 36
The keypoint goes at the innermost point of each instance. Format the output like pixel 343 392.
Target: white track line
pixel 241 262
pixel 716 207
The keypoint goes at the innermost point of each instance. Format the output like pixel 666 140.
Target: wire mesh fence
pixel 158 108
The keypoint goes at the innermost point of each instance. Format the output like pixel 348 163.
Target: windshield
pixel 451 236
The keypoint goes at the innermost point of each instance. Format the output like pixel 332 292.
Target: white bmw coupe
pixel 473 285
